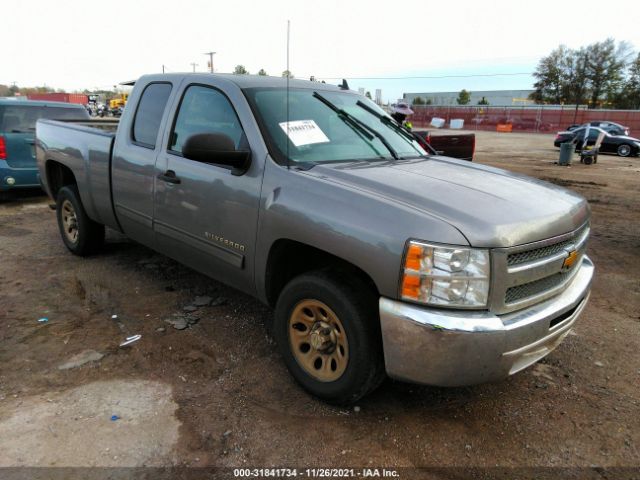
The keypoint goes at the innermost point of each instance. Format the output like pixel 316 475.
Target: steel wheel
pixel 69 221
pixel 624 150
pixel 318 340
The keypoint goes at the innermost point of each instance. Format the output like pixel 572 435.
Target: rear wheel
pixel 81 235
pixel 328 331
pixel 624 150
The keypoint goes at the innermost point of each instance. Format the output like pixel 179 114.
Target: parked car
pixel 609 127
pixel 376 255
pixel 18 167
pixel 619 144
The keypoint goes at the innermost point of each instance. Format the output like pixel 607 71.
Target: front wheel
pixel 624 150
pixel 328 331
pixel 81 235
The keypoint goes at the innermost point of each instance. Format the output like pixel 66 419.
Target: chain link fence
pixel 532 119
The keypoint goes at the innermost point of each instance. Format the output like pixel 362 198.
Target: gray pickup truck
pixel 377 257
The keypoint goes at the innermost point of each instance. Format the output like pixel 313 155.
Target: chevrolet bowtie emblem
pixel 570 260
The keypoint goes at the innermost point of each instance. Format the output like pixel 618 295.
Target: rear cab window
pixel 148 116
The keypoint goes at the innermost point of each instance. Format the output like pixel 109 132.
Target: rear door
pixel 134 158
pixel 206 217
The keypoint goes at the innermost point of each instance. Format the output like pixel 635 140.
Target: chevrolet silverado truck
pixel 377 257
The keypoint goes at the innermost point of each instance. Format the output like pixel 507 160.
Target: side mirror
pixel 218 149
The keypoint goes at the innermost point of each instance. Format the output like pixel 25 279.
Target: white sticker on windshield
pixel 304 132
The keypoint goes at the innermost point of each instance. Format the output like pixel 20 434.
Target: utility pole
pixel 162 68
pixel 211 54
pixel 194 65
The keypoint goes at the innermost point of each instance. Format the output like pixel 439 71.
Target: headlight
pixel 445 276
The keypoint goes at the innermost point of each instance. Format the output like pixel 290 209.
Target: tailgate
pixel 20 149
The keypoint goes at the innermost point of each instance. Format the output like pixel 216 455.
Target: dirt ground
pixel 217 393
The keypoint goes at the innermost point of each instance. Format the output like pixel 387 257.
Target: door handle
pixel 169 176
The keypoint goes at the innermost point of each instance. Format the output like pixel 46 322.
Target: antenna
pixel 288 73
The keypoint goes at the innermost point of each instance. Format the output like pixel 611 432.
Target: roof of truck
pixel 251 81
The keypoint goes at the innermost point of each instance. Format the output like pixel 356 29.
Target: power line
pixel 428 77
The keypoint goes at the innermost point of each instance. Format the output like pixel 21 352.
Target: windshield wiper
pixel 387 121
pixel 360 125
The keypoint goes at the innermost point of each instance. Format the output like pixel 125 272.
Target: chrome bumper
pixel 456 347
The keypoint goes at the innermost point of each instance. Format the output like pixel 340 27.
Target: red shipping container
pixel 60 97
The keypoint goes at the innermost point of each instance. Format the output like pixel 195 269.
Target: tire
pixel 81 235
pixel 624 150
pixel 327 328
pixel 588 160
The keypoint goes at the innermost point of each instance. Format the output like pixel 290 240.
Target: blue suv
pixel 18 118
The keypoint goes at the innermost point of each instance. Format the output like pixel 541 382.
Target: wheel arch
pixel 289 258
pixel 58 176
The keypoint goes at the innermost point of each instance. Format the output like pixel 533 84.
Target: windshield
pixel 22 118
pixel 327 126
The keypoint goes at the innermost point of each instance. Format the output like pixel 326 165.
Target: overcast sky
pixel 76 44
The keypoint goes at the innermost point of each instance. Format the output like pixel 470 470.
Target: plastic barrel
pixel 566 152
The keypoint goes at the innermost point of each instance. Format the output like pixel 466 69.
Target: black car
pixel 618 144
pixel 609 127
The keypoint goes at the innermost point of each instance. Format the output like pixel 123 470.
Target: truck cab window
pixel 149 114
pixel 205 110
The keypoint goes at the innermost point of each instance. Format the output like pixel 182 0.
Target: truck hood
pixel 489 206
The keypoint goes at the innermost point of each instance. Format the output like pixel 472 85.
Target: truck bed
pixel 85 148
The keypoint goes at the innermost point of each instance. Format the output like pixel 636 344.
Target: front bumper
pixel 454 348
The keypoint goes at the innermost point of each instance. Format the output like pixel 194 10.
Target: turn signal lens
pixel 414 256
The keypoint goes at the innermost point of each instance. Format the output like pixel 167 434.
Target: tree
pixel 261 72
pixel 287 73
pixel 417 101
pixel 551 77
pixel 464 97
pixel 605 64
pixel 368 94
pixel 562 77
pixel 628 96
pixel 592 74
pixel 5 91
pixel 428 101
pixel 483 101
pixel 240 70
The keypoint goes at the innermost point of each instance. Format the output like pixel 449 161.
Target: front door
pixel 204 216
pixel 134 159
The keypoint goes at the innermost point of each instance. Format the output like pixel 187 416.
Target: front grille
pixel 536 271
pixel 538 253
pixel 526 290
pixel 542 252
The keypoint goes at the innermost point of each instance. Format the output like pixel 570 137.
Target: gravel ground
pixel 217 394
